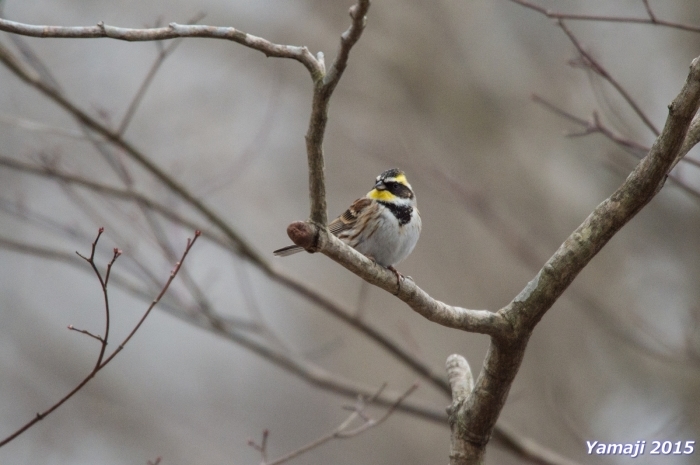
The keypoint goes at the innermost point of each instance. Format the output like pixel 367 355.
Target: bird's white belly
pixel 390 243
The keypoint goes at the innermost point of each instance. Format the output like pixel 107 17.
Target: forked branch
pixel 101 361
pixel 323 89
pixel 505 355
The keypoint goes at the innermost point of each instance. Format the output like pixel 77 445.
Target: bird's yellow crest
pixel 401 179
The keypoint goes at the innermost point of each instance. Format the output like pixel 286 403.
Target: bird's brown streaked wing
pixel 347 220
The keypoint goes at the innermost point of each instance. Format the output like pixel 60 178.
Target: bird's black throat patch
pixel 401 212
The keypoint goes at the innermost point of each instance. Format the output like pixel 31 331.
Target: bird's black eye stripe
pixel 398 189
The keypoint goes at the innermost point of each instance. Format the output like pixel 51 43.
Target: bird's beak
pixel 380 186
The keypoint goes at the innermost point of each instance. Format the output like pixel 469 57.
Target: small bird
pixel 384 225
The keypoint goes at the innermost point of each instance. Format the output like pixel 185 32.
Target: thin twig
pixel 241 245
pixel 591 126
pixel 102 363
pixel 638 150
pixel 262 448
pixel 651 14
pixel 342 431
pixel 103 284
pixel 652 20
pixel 597 68
pixel 122 194
pixel 88 333
pixel 163 54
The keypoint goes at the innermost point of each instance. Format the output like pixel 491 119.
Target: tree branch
pixel 101 363
pixel 596 67
pixel 129 195
pixel 163 53
pixel 652 19
pixel 592 126
pixel 323 89
pixel 525 311
pixel 342 431
pixel 461 382
pixel 595 126
pixel 181 191
pixel 478 321
pixel 171 31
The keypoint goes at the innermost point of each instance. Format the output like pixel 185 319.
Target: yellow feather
pixel 384 196
pixel 402 179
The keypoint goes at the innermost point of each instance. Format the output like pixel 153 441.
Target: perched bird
pixel 384 225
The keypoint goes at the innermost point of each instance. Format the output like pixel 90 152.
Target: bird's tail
pixel 289 250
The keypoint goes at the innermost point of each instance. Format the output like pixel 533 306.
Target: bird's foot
pixel 399 278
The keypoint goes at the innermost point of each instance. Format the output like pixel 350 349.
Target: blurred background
pixel 441 89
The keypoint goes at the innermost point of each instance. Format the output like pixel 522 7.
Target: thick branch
pixel 323 89
pixel 505 354
pixel 638 189
pixel 527 448
pixel 479 321
pixel 461 383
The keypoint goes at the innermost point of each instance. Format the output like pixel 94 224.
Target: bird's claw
pixel 399 278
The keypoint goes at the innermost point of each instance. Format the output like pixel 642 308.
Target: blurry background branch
pixel 343 431
pixel 652 19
